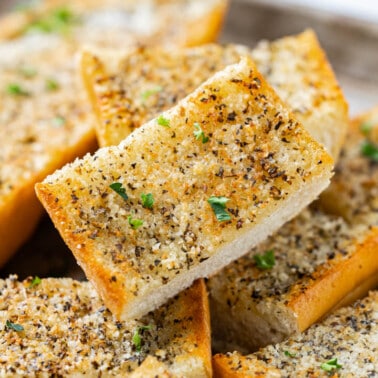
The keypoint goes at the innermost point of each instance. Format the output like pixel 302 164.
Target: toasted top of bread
pixel 119 22
pixel 128 89
pixel 67 331
pixel 225 168
pixel 42 127
pixel 298 69
pixel 45 120
pixel 353 192
pixel 349 335
pixel 315 256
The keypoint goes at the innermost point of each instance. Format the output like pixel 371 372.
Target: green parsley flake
pixel 52 85
pixel 28 72
pixel 16 90
pixel 35 281
pixel 134 223
pixel 265 261
pixel 117 187
pixel 58 21
pixel 149 92
pixel 137 339
pixel 199 134
pixel 289 354
pixel 370 150
pixel 366 127
pixel 59 121
pixel 14 326
pixel 162 121
pixel 218 204
pixel 331 365
pixel 147 200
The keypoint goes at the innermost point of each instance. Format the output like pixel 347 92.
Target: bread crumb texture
pixel 353 192
pixel 256 156
pixel 67 331
pixel 130 88
pixel 349 335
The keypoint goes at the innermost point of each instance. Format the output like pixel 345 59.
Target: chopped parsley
pixel 117 187
pixel 162 121
pixel 331 365
pixel 27 71
pixel 16 90
pixel 137 338
pixel 366 127
pixel 370 150
pixel 14 326
pixel 134 223
pixel 52 85
pixel 59 121
pixel 289 354
pixel 147 200
pixel 265 261
pixel 149 92
pixel 199 134
pixel 58 21
pixel 35 281
pixel 218 204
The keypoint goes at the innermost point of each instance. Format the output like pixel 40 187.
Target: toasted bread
pixel 45 119
pixel 129 88
pixel 353 193
pixel 226 167
pixel 319 262
pixel 67 331
pixel 119 23
pixel 298 69
pixel 43 126
pixel 349 336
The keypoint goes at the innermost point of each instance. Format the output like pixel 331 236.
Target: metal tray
pixel 351 45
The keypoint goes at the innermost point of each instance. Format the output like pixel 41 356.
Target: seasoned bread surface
pixel 120 23
pixel 45 120
pixel 319 261
pixel 257 158
pixel 349 335
pixel 298 69
pixel 67 331
pixel 353 192
pixel 129 88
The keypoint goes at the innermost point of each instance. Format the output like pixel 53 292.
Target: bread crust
pixel 330 287
pixel 347 335
pixel 158 153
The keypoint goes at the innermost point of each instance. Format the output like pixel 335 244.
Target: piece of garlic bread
pixel 311 265
pixel 45 119
pixel 131 87
pixel 353 192
pixel 343 345
pixel 60 327
pixel 188 192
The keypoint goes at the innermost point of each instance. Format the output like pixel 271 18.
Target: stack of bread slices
pixel 195 222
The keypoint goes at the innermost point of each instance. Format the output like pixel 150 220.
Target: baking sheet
pixel 351 46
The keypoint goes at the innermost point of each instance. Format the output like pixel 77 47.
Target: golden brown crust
pixel 348 335
pixel 233 365
pixel 332 285
pixel 237 110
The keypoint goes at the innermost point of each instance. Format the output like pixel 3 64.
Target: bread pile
pixel 211 159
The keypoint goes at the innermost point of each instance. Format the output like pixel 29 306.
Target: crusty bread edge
pixel 335 284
